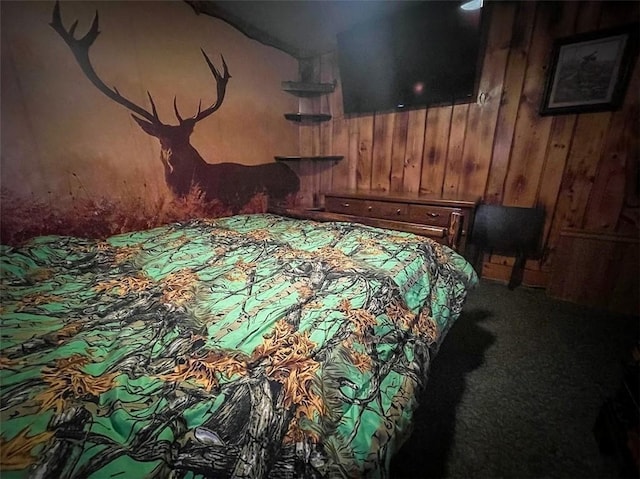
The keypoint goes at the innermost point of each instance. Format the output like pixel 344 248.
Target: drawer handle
pixel 398 211
pixel 370 208
pixel 346 205
pixel 433 215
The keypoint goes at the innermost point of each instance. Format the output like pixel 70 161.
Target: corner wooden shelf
pixel 307 117
pixel 306 89
pixel 313 158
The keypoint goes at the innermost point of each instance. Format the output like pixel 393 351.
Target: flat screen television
pixel 428 53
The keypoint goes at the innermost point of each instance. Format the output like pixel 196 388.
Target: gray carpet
pixel 516 388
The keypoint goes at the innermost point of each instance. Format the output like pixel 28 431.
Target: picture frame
pixel 590 72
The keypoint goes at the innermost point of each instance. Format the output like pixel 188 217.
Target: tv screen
pixel 426 54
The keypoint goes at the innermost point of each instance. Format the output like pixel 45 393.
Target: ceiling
pixel 302 28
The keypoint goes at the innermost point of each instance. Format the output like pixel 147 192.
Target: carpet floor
pixel 516 388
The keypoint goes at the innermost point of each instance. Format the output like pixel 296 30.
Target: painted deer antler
pixel 80 49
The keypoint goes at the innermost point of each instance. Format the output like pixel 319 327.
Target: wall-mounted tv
pixel 428 53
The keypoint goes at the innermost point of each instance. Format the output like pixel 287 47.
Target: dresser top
pixel 401 198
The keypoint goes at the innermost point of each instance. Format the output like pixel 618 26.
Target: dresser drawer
pixel 369 208
pixel 387 210
pixel 431 215
pixel 347 206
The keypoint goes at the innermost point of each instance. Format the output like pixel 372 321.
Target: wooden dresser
pixel 446 221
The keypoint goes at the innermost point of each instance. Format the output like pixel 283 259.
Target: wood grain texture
pixel 453 172
pixel 344 172
pixel 383 125
pixel 579 173
pixel 607 197
pixel 306 169
pixel 611 201
pixel 435 150
pixel 610 279
pixel 413 153
pixel 362 136
pixel 510 101
pixel 560 18
pixel 483 115
pixel 557 152
pixel 398 151
pixel 532 130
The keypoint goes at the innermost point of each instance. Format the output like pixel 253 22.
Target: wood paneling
pixel 621 148
pixel 361 134
pixel 453 165
pixel 413 154
pixel 436 150
pixel 609 279
pixel 383 126
pixel 579 174
pixel 510 101
pixel 483 115
pixel 398 151
pixel 582 168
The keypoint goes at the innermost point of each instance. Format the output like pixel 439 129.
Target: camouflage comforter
pixel 250 346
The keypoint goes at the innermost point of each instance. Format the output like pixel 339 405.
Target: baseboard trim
pixel 502 273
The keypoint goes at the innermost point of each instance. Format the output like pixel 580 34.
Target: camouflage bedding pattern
pixel 250 346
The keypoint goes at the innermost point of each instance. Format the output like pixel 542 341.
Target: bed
pixel 249 346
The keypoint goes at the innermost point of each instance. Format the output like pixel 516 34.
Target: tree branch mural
pixel 231 183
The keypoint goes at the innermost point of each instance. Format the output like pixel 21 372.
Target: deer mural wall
pixel 232 184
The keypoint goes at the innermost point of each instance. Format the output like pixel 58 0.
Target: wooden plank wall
pixel 612 270
pixel 583 168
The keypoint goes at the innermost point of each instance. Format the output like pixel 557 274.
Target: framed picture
pixel 590 71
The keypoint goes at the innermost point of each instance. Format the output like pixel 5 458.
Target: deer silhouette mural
pixel 232 184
